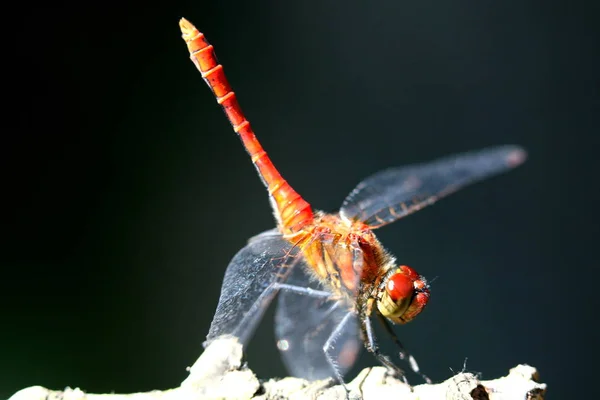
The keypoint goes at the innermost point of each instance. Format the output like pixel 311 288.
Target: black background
pixel 126 192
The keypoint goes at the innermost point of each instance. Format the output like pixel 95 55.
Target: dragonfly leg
pixel 305 291
pixel 404 354
pixel 328 346
pixel 372 347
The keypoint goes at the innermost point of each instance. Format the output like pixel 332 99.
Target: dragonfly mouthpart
pixel 403 295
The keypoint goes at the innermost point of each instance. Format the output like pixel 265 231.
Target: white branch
pixel 220 374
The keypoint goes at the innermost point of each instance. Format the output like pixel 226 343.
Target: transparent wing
pixel 305 322
pixel 249 285
pixel 395 193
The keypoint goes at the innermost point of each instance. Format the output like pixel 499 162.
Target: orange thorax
pixel 343 255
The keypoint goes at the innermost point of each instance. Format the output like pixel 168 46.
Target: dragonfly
pixel 329 272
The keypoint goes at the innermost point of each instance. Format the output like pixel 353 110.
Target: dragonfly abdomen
pixel 291 210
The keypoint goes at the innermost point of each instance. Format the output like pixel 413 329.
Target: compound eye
pixel 405 295
pixel 400 288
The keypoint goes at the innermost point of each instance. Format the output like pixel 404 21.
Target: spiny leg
pixel 306 291
pixel 372 347
pixel 404 354
pixel 305 320
pixel 328 346
pixel 317 294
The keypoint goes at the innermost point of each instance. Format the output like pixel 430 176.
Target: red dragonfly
pixel 330 271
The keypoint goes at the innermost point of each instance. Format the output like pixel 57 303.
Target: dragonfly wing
pixel 262 235
pixel 249 285
pixel 304 322
pixel 395 193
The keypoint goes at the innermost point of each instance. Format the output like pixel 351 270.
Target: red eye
pixel 408 271
pixel 406 295
pixel 399 287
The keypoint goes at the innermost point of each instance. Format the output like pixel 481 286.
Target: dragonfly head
pixel 402 294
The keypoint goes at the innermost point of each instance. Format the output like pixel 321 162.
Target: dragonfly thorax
pixel 346 256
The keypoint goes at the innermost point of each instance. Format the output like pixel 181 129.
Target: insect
pixel 330 271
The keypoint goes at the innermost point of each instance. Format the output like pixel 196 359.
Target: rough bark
pixel 219 373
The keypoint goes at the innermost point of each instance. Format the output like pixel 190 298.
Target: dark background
pixel 126 192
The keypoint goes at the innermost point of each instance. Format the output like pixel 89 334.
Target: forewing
pixel 304 323
pixel 395 193
pixel 249 285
